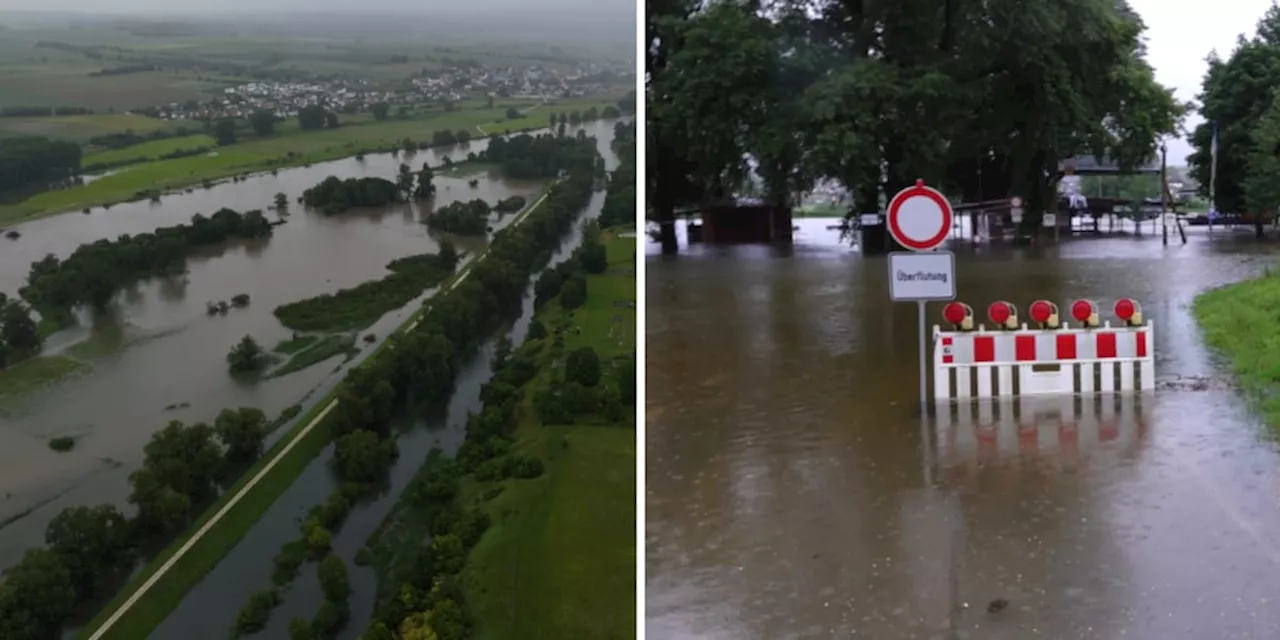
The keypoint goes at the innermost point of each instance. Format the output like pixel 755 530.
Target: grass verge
pixel 294 345
pixel 1234 321
pixel 37 373
pixel 343 344
pixel 162 597
pixel 362 305
pixel 559 559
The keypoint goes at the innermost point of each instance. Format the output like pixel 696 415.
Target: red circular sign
pixel 919 217
pixel 1125 308
pixel 999 312
pixel 1041 310
pixel 1082 309
pixel 954 312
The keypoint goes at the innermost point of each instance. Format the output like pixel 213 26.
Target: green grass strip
pixel 1235 321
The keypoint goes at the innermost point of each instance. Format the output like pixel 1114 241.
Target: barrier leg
pixel 1004 379
pixel 1087 382
pixel 1107 377
pixel 1148 367
pixel 964 384
pixel 984 381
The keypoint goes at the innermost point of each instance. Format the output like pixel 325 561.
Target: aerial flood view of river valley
pixel 158 353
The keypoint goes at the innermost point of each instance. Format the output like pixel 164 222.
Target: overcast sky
pixel 1181 33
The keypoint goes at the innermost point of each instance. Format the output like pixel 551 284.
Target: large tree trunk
pixel 664 213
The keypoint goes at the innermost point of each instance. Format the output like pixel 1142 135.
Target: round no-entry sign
pixel 919 217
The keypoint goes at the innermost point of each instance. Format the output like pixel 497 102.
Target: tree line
pixel 469 218
pixel 429 598
pixel 90 550
pixel 620 199
pixel 94 272
pixel 1238 95
pixel 576 117
pixel 419 367
pixel 19 335
pixel 982 100
pixel 30 161
pixel 530 157
pixel 335 195
pixel 42 112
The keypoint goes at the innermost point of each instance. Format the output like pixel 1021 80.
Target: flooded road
pixel 210 608
pixel 158 348
pixel 789 494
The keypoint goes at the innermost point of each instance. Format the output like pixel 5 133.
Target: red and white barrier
pixel 1061 430
pixel 1029 362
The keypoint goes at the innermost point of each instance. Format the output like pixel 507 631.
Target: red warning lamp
pixel 1085 312
pixel 1129 311
pixel 1044 313
pixel 1003 315
pixel 958 315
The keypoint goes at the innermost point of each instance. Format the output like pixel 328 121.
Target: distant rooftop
pixel 1090 165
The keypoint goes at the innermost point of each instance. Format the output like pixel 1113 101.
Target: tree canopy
pixel 1238 93
pixel 981 99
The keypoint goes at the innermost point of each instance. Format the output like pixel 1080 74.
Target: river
pixel 210 608
pixel 160 348
pixel 793 493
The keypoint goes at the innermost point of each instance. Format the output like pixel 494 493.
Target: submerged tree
pixel 246 356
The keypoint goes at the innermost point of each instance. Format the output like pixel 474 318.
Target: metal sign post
pixel 920 218
pixel 919 278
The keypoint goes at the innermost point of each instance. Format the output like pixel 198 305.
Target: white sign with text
pixel 926 275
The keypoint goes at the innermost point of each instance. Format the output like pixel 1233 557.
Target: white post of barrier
pixel 941 373
pixel 1148 366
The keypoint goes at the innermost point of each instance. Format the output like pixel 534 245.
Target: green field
pixel 81 128
pixel 360 134
pixel 559 560
pixel 148 150
pixel 37 373
pixel 821 210
pixel 1235 321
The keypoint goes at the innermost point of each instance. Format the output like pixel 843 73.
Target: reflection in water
pixel 790 493
pixel 173 353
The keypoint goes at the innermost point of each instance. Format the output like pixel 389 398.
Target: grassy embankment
pixel 559 560
pixel 358 134
pixel 319 350
pixel 162 597
pixel 1234 321
pixel 147 150
pixel 36 373
pixel 363 304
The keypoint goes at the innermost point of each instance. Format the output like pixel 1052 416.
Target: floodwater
pixel 210 608
pixel 793 490
pixel 159 348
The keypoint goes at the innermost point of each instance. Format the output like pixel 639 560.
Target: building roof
pixel 1090 165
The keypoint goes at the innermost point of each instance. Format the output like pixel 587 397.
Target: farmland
pixel 361 135
pixel 81 128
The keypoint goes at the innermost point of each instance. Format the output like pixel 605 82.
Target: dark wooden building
pixel 738 221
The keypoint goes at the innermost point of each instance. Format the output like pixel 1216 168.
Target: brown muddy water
pixel 793 491
pixel 159 348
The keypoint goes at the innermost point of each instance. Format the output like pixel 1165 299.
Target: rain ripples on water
pixel 789 494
